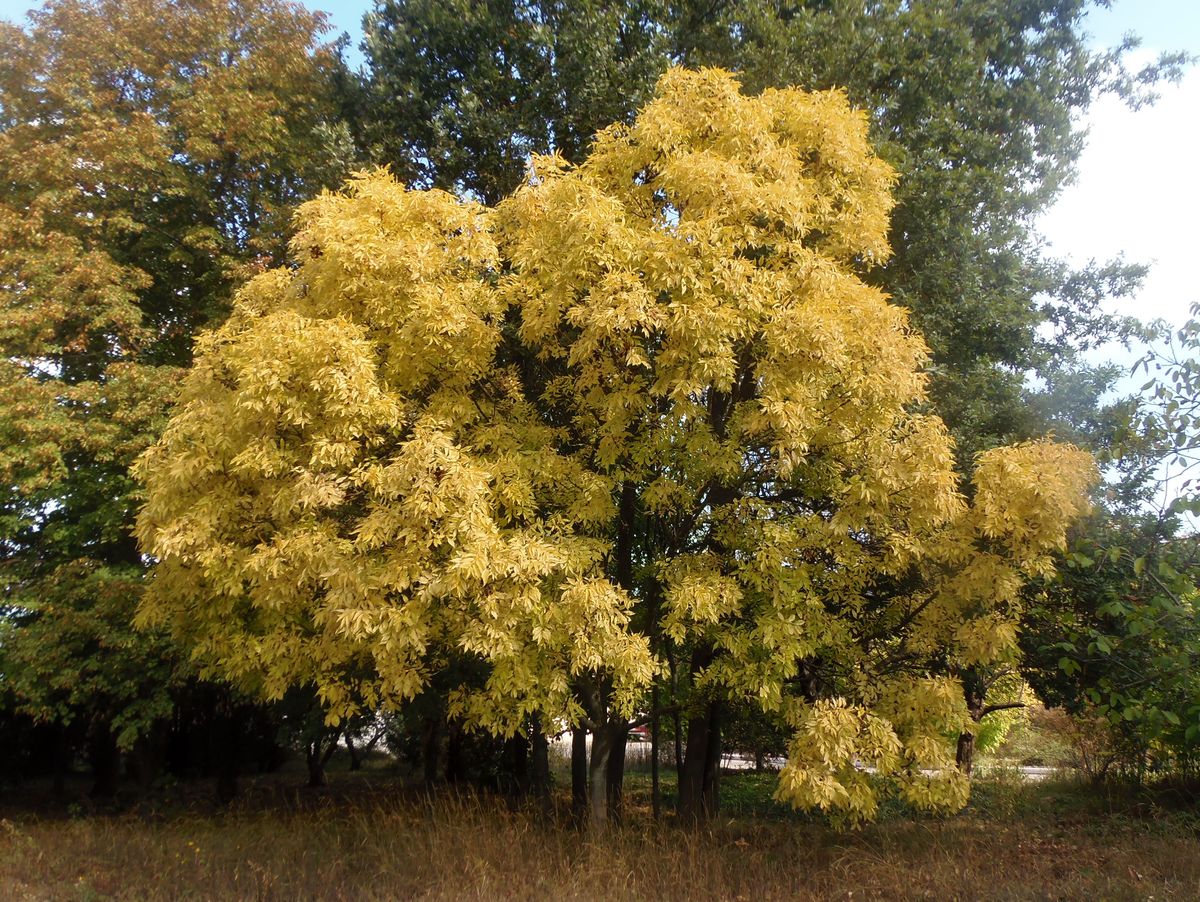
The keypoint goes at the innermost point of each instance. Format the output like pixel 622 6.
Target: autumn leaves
pixel 643 407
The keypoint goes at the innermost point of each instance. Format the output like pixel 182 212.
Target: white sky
pixel 1138 193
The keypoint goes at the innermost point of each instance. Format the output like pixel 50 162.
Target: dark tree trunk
pixel 618 732
pixel 317 755
pixel 610 737
pixel 146 759
pixel 359 753
pixel 316 767
pixel 62 760
pixel 579 772
pixel 598 777
pixel 516 763
pixel 226 737
pixel 699 781
pixel 655 787
pixel 677 722
pixel 456 768
pixel 964 755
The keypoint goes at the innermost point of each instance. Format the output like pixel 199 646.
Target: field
pixel 368 837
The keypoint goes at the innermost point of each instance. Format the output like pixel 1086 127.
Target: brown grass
pixel 358 842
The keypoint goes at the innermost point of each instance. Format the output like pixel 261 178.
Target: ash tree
pixel 645 409
pixel 975 103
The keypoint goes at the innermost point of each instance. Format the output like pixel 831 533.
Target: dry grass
pixel 361 842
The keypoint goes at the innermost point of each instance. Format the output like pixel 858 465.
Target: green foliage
pixel 1119 638
pixel 1117 641
pixel 1003 708
pixel 1040 739
pixel 463 92
pixel 74 655
pixel 1171 422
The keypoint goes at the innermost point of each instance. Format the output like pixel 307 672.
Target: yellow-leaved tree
pixel 643 416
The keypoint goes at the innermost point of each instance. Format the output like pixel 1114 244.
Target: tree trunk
pixel 699 781
pixel 146 759
pixel 964 756
pixel 516 763
pixel 430 745
pixel 618 732
pixel 598 778
pixel 315 760
pixel 678 724
pixel 675 718
pixel 655 787
pixel 316 772
pixel 579 772
pixel 456 768
pixel 226 736
pixel 318 754
pixel 62 759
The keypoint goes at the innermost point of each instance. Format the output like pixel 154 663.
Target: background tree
pixel 150 152
pixel 1118 640
pixel 1171 416
pixel 462 92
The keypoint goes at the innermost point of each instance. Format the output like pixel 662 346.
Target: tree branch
pixel 991 709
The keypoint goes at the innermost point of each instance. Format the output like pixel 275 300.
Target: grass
pixel 367 837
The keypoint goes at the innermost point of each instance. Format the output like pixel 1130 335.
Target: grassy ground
pixel 365 837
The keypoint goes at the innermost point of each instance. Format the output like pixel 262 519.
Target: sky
pixel 1138 189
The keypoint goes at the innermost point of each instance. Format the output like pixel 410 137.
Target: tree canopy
pixel 645 399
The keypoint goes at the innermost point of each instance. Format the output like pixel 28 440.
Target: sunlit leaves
pixel 428 437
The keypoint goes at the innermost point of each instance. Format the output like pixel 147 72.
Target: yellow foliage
pixel 416 442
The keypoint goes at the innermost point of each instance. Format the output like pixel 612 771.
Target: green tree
pixel 1119 637
pixel 1171 421
pixel 150 152
pixel 1118 640
pixel 463 92
pixel 644 398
